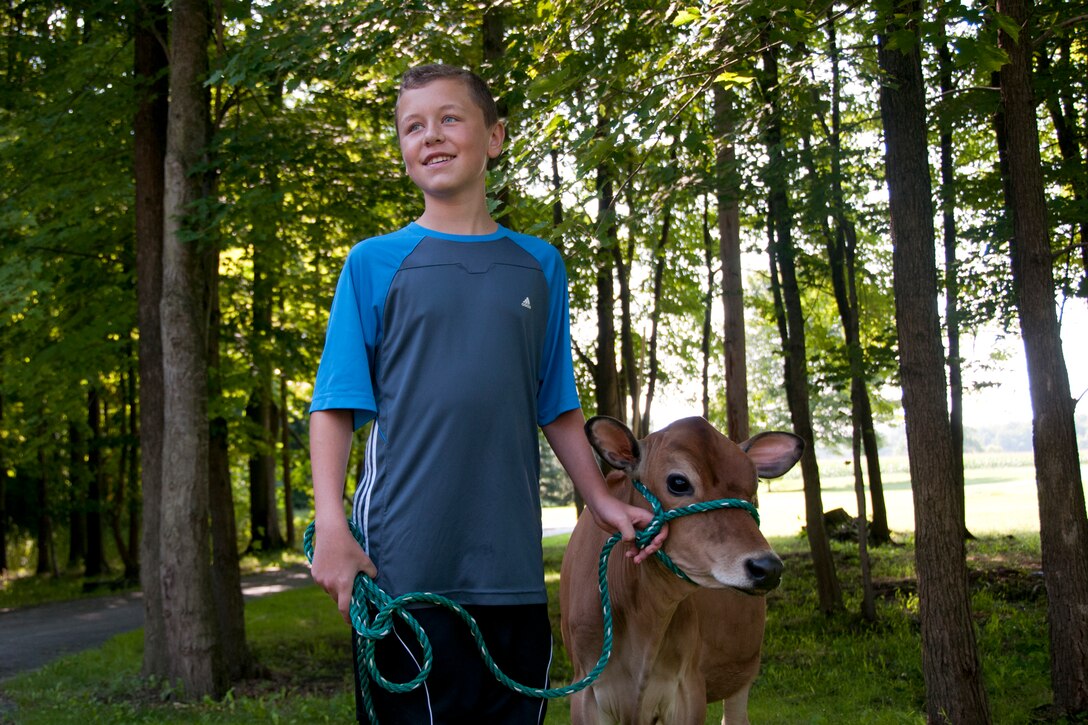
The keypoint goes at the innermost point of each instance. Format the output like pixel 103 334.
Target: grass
pixel 816 669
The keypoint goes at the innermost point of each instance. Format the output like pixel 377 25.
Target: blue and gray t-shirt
pixel 458 347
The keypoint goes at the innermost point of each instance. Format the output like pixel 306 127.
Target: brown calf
pixel 676 645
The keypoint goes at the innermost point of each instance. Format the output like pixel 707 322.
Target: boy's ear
pixel 495 142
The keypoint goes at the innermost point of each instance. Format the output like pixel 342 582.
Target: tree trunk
pixel 842 247
pixel 96 560
pixel 3 499
pixel 264 513
pixel 868 602
pixel 727 186
pixel 47 563
pixel 285 459
pixel 708 307
pixel 557 191
pixel 121 499
pixel 196 659
pixel 149 142
pixel 1063 525
pixel 606 377
pixel 77 497
pixel 951 270
pixel 225 567
pixel 655 317
pixel 792 324
pixel 630 389
pixel 950 660
pixel 835 243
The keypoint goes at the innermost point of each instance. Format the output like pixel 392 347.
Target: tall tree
pixel 195 655
pixel 47 560
pixel 727 188
pixel 124 499
pixel 285 463
pixel 660 255
pixel 842 246
pixel 261 411
pixel 951 264
pixel 96 557
pixel 709 254
pixel 3 498
pixel 225 570
pixel 950 661
pixel 151 67
pixel 782 255
pixel 1063 525
pixel 77 496
pixel 605 375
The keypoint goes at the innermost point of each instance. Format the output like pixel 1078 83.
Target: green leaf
pixel 686 16
pixel 980 55
pixel 902 40
pixel 729 78
pixel 1008 26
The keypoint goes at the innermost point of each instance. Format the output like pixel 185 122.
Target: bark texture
pixel 149 139
pixel 1063 526
pixel 950 661
pixel 195 656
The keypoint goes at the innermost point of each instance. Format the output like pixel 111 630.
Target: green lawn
pixel 816 669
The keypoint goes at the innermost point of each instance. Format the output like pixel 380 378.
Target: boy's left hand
pixel 613 515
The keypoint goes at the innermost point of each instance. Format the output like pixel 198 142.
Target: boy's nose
pixel 434 135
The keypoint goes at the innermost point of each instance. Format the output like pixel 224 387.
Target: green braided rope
pixel 367 595
pixel 661 517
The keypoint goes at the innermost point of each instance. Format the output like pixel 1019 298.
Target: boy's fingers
pixel 343 603
pixel 641 555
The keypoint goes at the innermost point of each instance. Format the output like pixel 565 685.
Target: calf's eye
pixel 678 485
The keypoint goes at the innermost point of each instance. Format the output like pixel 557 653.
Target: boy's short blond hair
pixel 422 75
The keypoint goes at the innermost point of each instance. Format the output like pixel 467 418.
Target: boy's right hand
pixel 338 557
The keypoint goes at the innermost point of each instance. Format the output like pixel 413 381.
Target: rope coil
pixel 367 597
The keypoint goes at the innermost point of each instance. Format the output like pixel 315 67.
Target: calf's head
pixel 688 462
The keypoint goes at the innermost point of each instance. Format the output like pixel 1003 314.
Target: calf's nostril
pixel 765 570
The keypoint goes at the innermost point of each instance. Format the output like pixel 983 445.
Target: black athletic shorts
pixel 460 689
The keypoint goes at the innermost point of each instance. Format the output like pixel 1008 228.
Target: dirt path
pixel 35 636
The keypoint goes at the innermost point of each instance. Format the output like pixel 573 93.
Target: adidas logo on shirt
pixel 527 304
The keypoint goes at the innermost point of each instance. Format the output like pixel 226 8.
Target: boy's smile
pixel 444 140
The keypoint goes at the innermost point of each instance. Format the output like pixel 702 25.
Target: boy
pixel 452 335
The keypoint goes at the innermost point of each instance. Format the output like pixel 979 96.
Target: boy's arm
pixel 338 557
pixel 566 435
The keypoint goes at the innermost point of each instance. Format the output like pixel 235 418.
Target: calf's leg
pixel 735 708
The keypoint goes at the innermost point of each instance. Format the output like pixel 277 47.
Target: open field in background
pixel 1000 496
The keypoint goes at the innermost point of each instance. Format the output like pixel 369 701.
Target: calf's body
pixel 676 643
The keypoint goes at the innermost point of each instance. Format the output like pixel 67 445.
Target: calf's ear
pixel 613 442
pixel 774 453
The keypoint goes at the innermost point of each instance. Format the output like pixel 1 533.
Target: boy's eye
pixel 414 126
pixel 449 119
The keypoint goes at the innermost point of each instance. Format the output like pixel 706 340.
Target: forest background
pixel 182 181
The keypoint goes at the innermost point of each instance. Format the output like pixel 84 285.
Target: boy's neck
pixel 456 219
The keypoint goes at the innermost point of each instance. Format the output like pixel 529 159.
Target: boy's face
pixel 444 139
